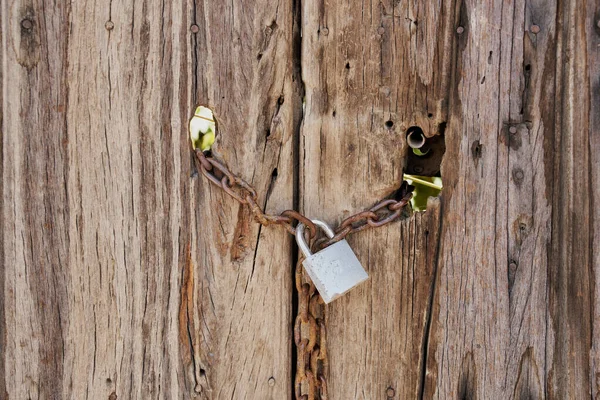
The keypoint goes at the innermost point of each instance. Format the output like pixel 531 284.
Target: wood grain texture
pixel 125 275
pixel 592 30
pixel 513 307
pixel 513 299
pixel 367 70
pixel 240 309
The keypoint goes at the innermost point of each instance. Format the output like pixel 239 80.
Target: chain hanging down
pixel 310 338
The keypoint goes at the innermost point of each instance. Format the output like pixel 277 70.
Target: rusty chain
pixel 381 214
pixel 310 334
pixel 310 337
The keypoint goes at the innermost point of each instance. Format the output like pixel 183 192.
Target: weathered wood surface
pixel 364 69
pixel 124 274
pixel 513 308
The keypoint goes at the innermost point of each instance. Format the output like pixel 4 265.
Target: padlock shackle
pixel 300 235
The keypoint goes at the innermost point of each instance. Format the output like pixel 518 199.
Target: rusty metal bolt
pixel 194 28
pixel 26 24
pixel 535 29
pixel 460 30
pixel 109 25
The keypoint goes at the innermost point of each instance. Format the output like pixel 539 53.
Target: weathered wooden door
pixel 126 275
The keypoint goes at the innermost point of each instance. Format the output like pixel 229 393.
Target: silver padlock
pixel 335 269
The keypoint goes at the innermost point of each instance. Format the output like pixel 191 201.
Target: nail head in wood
pixel 325 31
pixel 109 25
pixel 535 29
pixel 194 28
pixel 512 129
pixel 519 174
pixel 460 30
pixel 390 392
pixel 26 24
pixel 271 381
pixel 381 30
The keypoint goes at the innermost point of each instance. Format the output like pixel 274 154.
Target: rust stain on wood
pixel 186 306
pixel 240 245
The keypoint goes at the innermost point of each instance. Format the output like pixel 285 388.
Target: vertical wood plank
pixel 239 310
pixel 571 288
pixel 592 26
pixel 35 219
pixel 371 70
pixel 512 315
pixel 93 159
pixel 121 279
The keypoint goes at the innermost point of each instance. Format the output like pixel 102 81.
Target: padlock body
pixel 335 270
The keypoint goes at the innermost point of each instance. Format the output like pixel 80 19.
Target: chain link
pixel 381 214
pixel 310 338
pixel 309 328
pixel 240 190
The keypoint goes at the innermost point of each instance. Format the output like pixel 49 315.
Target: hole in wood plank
pixel 203 128
pixel 423 164
pixel 389 124
pixel 442 129
pixel 347 65
pixel 512 271
pixel 476 150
